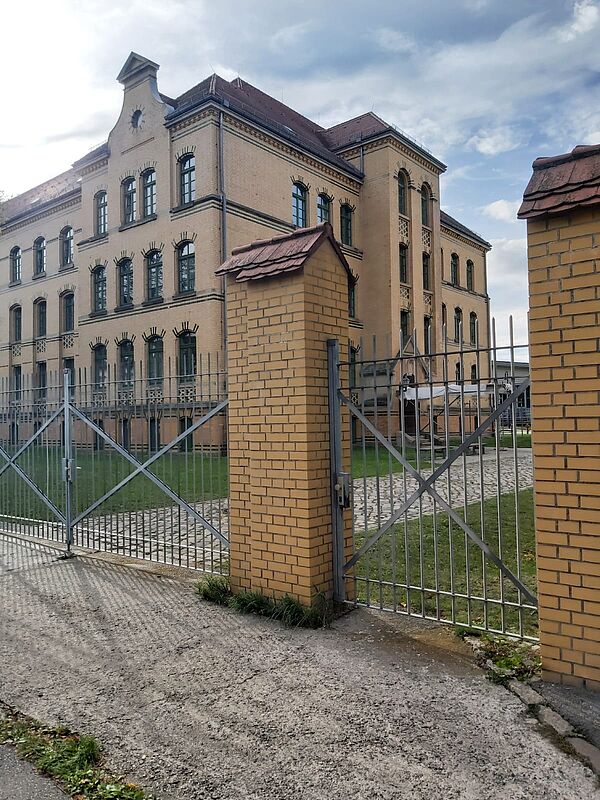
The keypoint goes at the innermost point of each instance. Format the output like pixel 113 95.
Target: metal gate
pixel 439 476
pixel 119 462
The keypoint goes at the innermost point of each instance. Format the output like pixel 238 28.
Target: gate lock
pixel 342 489
pixel 67 469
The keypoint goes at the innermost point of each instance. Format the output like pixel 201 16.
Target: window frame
pixel 99 375
pixel 101 213
pixel 126 355
pixel 323 208
pixel 128 201
pixel 426 272
pixel 154 275
pixel 403 263
pixel 470 275
pixel 425 206
pixel 473 328
pixel 402 194
pixel 16 324
pixel 187 356
pixel 148 193
pixel 426 334
pixel 455 269
pixel 404 328
pixel 67 302
pixel 99 287
pixel 299 205
pixel 189 261
pixel 66 247
pixel 40 318
pixel 346 214
pixel 39 256
pixel 154 358
pixel 187 179
pixel 16 264
pixel 124 283
pixel 458 319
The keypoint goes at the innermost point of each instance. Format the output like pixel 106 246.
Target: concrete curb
pixel 569 738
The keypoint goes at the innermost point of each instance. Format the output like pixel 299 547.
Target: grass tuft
pixel 215 589
pixel 73 761
pixel 252 603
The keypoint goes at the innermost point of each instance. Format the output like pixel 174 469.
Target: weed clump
pixel 215 589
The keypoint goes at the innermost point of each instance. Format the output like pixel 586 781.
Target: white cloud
pixel 394 41
pixel 586 16
pixel 285 38
pixel 507 287
pixel 492 142
pixel 502 210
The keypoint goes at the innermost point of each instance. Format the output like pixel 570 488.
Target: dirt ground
pixel 193 701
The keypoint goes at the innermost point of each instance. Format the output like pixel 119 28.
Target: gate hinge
pixel 342 489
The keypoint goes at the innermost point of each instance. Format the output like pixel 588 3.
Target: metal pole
pixel 335 450
pixel 67 460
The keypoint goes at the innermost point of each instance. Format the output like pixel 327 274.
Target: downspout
pixel 224 250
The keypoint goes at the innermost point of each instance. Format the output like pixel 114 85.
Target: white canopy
pixel 431 392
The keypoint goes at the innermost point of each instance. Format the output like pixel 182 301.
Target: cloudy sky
pixel 486 85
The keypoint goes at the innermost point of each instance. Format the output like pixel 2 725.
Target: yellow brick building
pixel 113 262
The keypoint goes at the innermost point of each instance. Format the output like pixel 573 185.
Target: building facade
pixel 113 262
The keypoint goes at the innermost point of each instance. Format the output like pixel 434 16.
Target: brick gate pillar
pixel 562 208
pixel 285 298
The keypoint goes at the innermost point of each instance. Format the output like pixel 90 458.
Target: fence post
pixel 280 469
pixel 563 233
pixel 336 468
pixel 68 460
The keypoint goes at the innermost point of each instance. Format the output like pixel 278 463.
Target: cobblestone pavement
pixel 170 535
pixel 195 702
pixel 383 494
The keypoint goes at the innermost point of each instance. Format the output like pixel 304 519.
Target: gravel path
pixel 196 702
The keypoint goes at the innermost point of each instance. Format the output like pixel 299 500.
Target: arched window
pixel 126 363
pixel 323 208
pixel 352 299
pixel 149 192
pixel 15 265
pixel 129 200
pixel 39 256
pixel 186 267
pixel 458 372
pixel 155 360
pixel 346 224
pixel 427 335
pixel 40 318
pixel 187 356
pixel 425 206
pixel 458 324
pixel 470 275
pixel 125 282
pixel 16 324
pixel 187 179
pixel 403 263
pixel 426 272
pixel 99 365
pixel 100 214
pixel 66 247
pixel 154 275
pixel 473 327
pixel 473 373
pixel 99 289
pixel 299 196
pixel 402 194
pixel 454 270
pixel 68 312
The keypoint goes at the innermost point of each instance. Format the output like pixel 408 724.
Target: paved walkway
pixel 19 780
pixel 196 702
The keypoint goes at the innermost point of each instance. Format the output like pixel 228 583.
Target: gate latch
pixel 67 469
pixel 342 489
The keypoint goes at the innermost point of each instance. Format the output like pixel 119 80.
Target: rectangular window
pixel 427 335
pixel 323 209
pixel 98 440
pixel 186 444
pixel 404 325
pixel 16 382
pixel 126 434
pixel 69 365
pixel 101 214
pixel 426 278
pixel 187 179
pixel 403 263
pixel 41 380
pixel 154 434
pixel 346 224
pixel 149 187
pixel 41 319
pixel 68 312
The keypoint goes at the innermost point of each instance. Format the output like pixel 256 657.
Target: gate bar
pixel 426 485
pixel 68 461
pixel 336 467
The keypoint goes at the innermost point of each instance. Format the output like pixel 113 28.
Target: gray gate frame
pixel 336 400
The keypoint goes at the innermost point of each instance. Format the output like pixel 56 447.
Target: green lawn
pixel 436 558
pixel 370 461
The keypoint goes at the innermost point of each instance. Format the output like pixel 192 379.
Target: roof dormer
pixel 137 69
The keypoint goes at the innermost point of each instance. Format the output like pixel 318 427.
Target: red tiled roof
pixel 354 130
pixel 286 253
pixel 564 182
